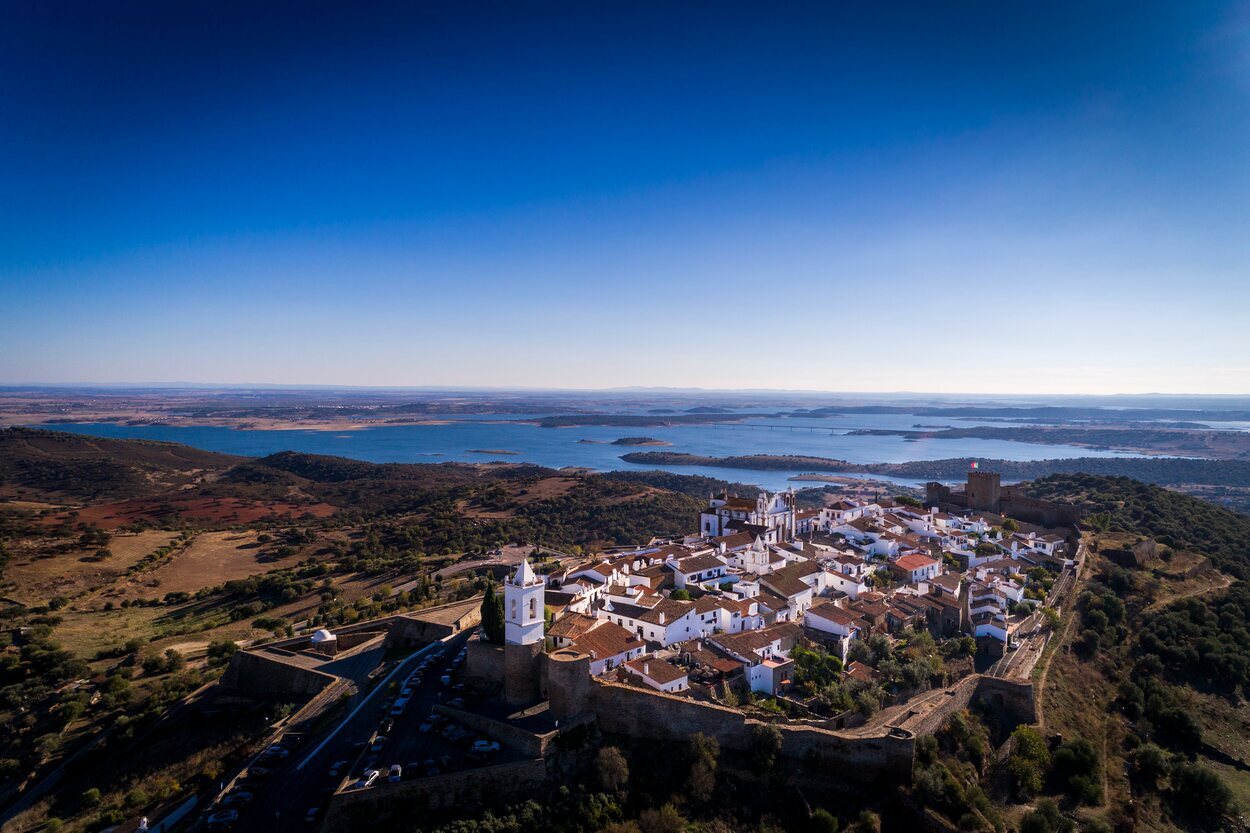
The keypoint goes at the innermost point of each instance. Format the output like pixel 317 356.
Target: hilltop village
pixel 721 611
pixel 849 630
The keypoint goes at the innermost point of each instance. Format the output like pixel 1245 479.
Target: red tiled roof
pixel 662 671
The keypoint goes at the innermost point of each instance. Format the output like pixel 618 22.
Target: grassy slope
pixel 1079 698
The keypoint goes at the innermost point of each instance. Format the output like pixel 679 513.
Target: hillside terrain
pixel 133 568
pixel 1143 693
pixel 130 571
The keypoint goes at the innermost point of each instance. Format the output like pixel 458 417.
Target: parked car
pixel 447 733
pixel 338 768
pixel 237 797
pixel 258 773
pixel 226 818
pixel 427 726
pixel 431 768
pixel 396 774
pixel 386 726
pixel 484 747
pixel 445 679
pixel 444 761
pixel 459 735
pixel 398 708
pixel 406 691
pixel 311 816
pixel 275 752
pixel 367 780
pixel 377 743
pixel 456 702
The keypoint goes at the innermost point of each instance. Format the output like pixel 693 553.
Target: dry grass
pixel 36 578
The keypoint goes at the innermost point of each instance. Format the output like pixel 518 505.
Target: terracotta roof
pixel 738 539
pixel 784 585
pixel 862 672
pixel 914 562
pixel 661 671
pixel 699 563
pixel 748 642
pixel 740 503
pixel 837 615
pixel 607 640
pixel 672 609
pixel 570 627
pixel 800 569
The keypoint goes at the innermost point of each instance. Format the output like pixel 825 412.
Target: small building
pixel 658 674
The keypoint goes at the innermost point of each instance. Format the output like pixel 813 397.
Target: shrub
pixel 765 745
pixel 612 769
pixel 1029 761
pixel 1201 790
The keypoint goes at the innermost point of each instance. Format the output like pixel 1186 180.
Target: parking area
pixel 408 736
pixel 288 787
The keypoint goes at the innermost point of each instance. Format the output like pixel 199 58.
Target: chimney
pixel 646 669
pixel 661 617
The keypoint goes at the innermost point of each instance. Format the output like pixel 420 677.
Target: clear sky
pixel 942 196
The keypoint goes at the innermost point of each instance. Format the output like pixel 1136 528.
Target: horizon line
pixel 186 385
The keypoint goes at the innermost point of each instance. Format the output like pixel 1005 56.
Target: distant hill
pixel 1121 504
pixel 1160 470
pixel 53 465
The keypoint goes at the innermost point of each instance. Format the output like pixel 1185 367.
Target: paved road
pixel 302 781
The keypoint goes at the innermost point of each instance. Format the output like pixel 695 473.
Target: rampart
pixel 386 806
pixel 635 712
pixel 260 673
pixel 868 753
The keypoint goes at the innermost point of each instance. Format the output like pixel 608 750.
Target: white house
pixel 659 674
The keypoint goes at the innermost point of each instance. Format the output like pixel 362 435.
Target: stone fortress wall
pixel 881 749
pixel 391 806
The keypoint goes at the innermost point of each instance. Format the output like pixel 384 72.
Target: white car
pixel 277 750
pixel 396 774
pixel 483 747
pixel 368 779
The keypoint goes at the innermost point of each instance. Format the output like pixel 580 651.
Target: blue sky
pixel 999 197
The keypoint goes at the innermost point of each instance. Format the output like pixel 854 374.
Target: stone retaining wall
pixel 388 806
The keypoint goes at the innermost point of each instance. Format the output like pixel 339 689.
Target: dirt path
pixel 1224 581
pixel 1060 641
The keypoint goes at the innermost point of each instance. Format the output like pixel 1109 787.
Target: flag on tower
pixel 974 464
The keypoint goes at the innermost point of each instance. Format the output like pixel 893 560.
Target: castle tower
pixel 523 610
pixel 983 490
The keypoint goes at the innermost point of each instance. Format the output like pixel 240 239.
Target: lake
pixel 560 447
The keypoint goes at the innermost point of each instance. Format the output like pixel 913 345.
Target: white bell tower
pixel 523 606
